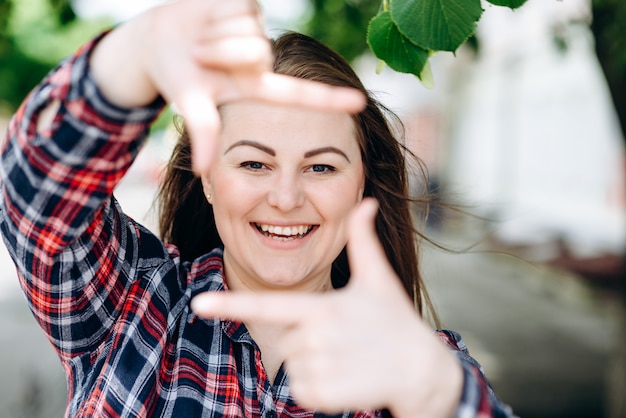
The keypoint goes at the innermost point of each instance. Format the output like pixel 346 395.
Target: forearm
pixel 66 149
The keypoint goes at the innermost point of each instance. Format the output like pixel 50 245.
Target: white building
pixel 534 139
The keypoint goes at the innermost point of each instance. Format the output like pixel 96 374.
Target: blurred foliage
pixel 610 34
pixel 34 36
pixel 342 24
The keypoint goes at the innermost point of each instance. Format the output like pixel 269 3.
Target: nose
pixel 286 192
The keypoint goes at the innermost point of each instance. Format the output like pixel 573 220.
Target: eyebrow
pixel 247 142
pixel 270 151
pixel 323 150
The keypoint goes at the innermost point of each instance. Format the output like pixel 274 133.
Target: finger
pixel 225 9
pixel 286 308
pixel 241 53
pixel 243 25
pixel 203 124
pixel 286 90
pixel 365 252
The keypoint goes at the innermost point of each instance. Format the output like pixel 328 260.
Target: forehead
pixel 287 126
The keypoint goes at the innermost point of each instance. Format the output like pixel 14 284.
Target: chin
pixel 289 282
pixel 303 278
pixel 279 283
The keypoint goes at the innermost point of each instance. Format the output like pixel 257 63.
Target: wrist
pixel 117 66
pixel 440 397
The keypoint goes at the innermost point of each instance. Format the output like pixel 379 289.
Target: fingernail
pixel 371 205
pixel 356 99
pixel 201 303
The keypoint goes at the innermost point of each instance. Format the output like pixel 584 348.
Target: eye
pixel 253 165
pixel 321 168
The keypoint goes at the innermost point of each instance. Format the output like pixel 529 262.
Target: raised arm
pixel 65 150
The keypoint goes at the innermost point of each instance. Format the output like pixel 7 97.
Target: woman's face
pixel 282 186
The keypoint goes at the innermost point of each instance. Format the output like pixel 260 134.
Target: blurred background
pixel 524 130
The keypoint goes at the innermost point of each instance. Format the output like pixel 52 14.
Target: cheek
pixel 228 202
pixel 338 201
pixel 230 187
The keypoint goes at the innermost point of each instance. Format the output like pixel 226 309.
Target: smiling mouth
pixel 284 233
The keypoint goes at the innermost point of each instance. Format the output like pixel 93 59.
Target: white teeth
pixel 285 231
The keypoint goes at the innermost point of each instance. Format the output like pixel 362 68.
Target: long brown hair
pixel 186 219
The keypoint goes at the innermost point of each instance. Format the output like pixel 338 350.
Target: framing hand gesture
pixel 199 54
pixel 354 348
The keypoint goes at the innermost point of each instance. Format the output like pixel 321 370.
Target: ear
pixel 361 191
pixel 206 188
pixel 359 196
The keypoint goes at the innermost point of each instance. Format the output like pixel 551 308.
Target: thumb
pixel 365 253
pixel 203 124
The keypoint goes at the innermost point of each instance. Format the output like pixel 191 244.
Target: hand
pixel 199 54
pixel 362 347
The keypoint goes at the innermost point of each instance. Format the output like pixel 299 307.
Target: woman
pixel 255 244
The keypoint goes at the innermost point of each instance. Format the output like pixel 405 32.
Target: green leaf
pixel 389 45
pixel 513 4
pixel 439 25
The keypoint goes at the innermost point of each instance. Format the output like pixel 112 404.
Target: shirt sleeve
pixel 74 249
pixel 478 399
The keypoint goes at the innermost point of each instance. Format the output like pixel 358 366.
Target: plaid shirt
pixel 111 297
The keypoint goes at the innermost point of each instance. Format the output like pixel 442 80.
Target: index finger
pixel 280 308
pixel 287 90
pixel 203 123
